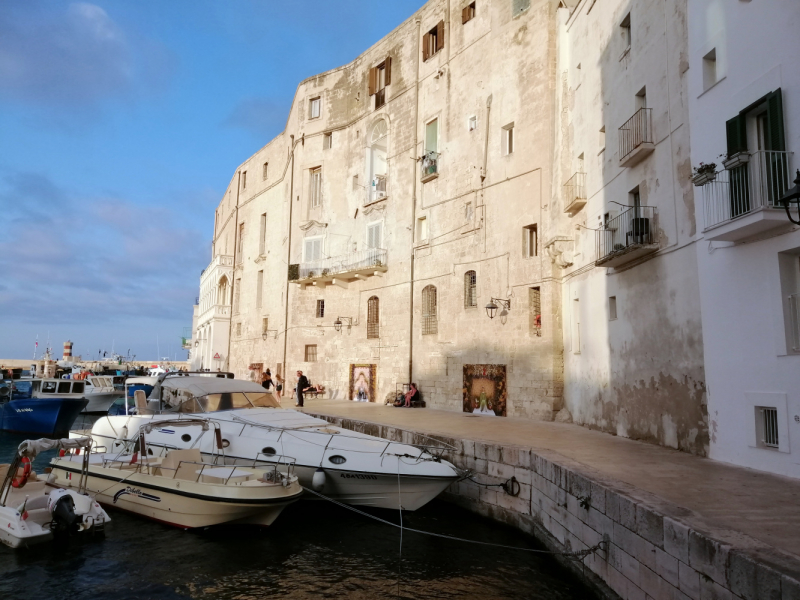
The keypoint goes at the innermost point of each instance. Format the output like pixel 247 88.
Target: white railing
pixel 221 260
pixel 215 310
pixel 345 263
pixel 377 189
pixel 757 182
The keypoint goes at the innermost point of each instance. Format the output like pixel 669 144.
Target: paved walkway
pixel 763 506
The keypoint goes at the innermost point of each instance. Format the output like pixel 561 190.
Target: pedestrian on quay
pixel 266 380
pixel 302 385
pixel 278 387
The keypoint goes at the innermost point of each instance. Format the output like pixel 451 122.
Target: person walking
pixel 278 386
pixel 266 381
pixel 302 385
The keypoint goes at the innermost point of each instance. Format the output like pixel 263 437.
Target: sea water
pixel 314 550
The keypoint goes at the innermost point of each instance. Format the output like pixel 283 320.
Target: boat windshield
pixel 228 401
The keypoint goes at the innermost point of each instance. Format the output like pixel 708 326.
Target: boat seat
pixel 140 399
pixel 171 465
pixel 36 502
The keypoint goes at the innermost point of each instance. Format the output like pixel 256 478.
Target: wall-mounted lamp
pixel 265 334
pixel 491 308
pixel 337 324
pixel 197 344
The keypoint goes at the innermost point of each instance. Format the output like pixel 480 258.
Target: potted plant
pixel 736 159
pixel 704 173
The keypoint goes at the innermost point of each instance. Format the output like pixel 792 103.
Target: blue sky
pixel 120 126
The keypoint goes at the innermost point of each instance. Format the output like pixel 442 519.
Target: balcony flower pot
pixel 736 160
pixel 700 179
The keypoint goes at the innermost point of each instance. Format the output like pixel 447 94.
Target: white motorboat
pixel 182 489
pixel 31 512
pixel 351 467
pixel 99 391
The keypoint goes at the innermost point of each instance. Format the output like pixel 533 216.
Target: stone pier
pixel 678 526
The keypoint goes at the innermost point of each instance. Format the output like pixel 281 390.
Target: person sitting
pixel 412 395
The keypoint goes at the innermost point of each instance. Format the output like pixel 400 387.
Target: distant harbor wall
pixel 652 551
pixel 26 363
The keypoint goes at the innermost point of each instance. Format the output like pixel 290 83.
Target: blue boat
pixel 21 411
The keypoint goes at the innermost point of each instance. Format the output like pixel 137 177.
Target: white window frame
pixel 370 226
pixel 315 102
pixel 315 189
pixel 313 238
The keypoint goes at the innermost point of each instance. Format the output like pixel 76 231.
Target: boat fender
pixel 318 481
pixel 123 437
pixel 20 480
pixel 61 506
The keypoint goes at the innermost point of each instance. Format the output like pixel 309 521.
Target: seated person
pixel 412 395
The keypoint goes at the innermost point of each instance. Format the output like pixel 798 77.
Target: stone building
pixel 462 162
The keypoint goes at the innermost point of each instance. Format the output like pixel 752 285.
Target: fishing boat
pixel 33 513
pixel 40 406
pixel 352 467
pixel 183 488
pixel 100 392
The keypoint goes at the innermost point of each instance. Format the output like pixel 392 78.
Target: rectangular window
pixel 422 229
pixel 315 187
pixel 355 183
pixel 314 106
pixel 237 288
pixel 311 353
pixel 508 139
pixel 240 244
pixel 312 249
pixel 238 330
pixel 468 13
pixel 472 124
pixel 265 171
pixel 433 41
pixel 576 326
pixel 264 325
pixel 320 308
pixel 259 288
pixel 530 241
pixel 244 179
pixel 262 235
pixel 612 308
pixel 374 235
pixel 767 427
pixel 641 98
pixel 379 78
pixel 710 69
pixel 432 136
pixel 327 141
pixel 63 387
pixel 625 31
pixel 468 212
pixel 535 308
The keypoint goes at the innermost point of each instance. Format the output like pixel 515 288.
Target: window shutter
pixel 387 67
pixel 439 35
pixel 464 14
pixel 373 80
pixel 736 134
pixel 776 140
pixel 425 38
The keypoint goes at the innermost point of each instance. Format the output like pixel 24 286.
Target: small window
pixel 379 78
pixel 314 106
pixel 320 308
pixel 468 211
pixel 422 229
pixel 612 308
pixel 710 69
pixel 264 325
pixel 472 124
pixel 641 98
pixel 535 308
pixel 470 289
pixel 373 318
pixel 315 187
pixel 433 41
pixel 259 288
pixel 468 13
pixel 240 244
pixel 602 139
pixel 429 320
pixel 265 171
pixel 432 136
pixel 767 427
pixel 64 386
pixel 262 234
pixel 375 235
pixel 327 141
pixel 244 179
pixel 625 31
pixel 355 183
pixel 530 241
pixel 77 387
pixel 49 387
pixel 337 460
pixel 311 353
pixel 508 139
pixel 519 6
pixel 312 249
pixel 238 329
pixel 268 451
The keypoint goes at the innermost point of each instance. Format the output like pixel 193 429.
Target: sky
pixel 121 124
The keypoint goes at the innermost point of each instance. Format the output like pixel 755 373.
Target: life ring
pixel 20 480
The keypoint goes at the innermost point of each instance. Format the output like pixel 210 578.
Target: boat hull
pixel 179 503
pixel 101 401
pixel 43 416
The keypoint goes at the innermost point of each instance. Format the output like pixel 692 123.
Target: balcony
pixel 429 168
pixel 216 311
pixel 575 193
pixel 636 138
pixel 376 190
pixel 627 237
pixel 221 261
pixel 340 270
pixel 744 201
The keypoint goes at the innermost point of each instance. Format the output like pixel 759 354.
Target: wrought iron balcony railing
pixel 636 137
pixel 575 193
pixel 629 235
pixel 372 258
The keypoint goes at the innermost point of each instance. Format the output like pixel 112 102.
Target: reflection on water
pixel 314 550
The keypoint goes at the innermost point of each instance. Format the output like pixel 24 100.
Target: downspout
pixel 233 280
pixel 413 221
pixel 285 373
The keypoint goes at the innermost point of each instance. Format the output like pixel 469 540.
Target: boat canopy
pixel 211 394
pixel 31 448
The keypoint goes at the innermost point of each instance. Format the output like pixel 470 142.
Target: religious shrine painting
pixel 362 383
pixel 485 390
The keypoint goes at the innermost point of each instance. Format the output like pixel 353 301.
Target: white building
pixel 744 101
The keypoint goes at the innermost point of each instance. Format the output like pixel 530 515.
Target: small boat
pixel 31 512
pixel 100 392
pixel 41 406
pixel 182 488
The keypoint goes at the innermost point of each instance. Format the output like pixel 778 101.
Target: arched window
pixel 222 297
pixel 373 318
pixel 429 322
pixel 470 289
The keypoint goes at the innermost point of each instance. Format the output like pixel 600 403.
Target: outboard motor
pixel 62 510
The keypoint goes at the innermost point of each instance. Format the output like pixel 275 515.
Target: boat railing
pixel 276 461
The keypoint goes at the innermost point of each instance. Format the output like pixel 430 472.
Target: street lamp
pixel 491 308
pixel 265 334
pixel 792 196
pixel 337 324
pixel 197 343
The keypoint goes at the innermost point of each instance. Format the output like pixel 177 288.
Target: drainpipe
pixel 233 279
pixel 413 222
pixel 285 373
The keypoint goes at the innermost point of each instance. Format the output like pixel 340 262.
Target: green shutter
pixel 775 139
pixel 736 134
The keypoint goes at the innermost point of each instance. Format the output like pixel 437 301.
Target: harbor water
pixel 314 550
